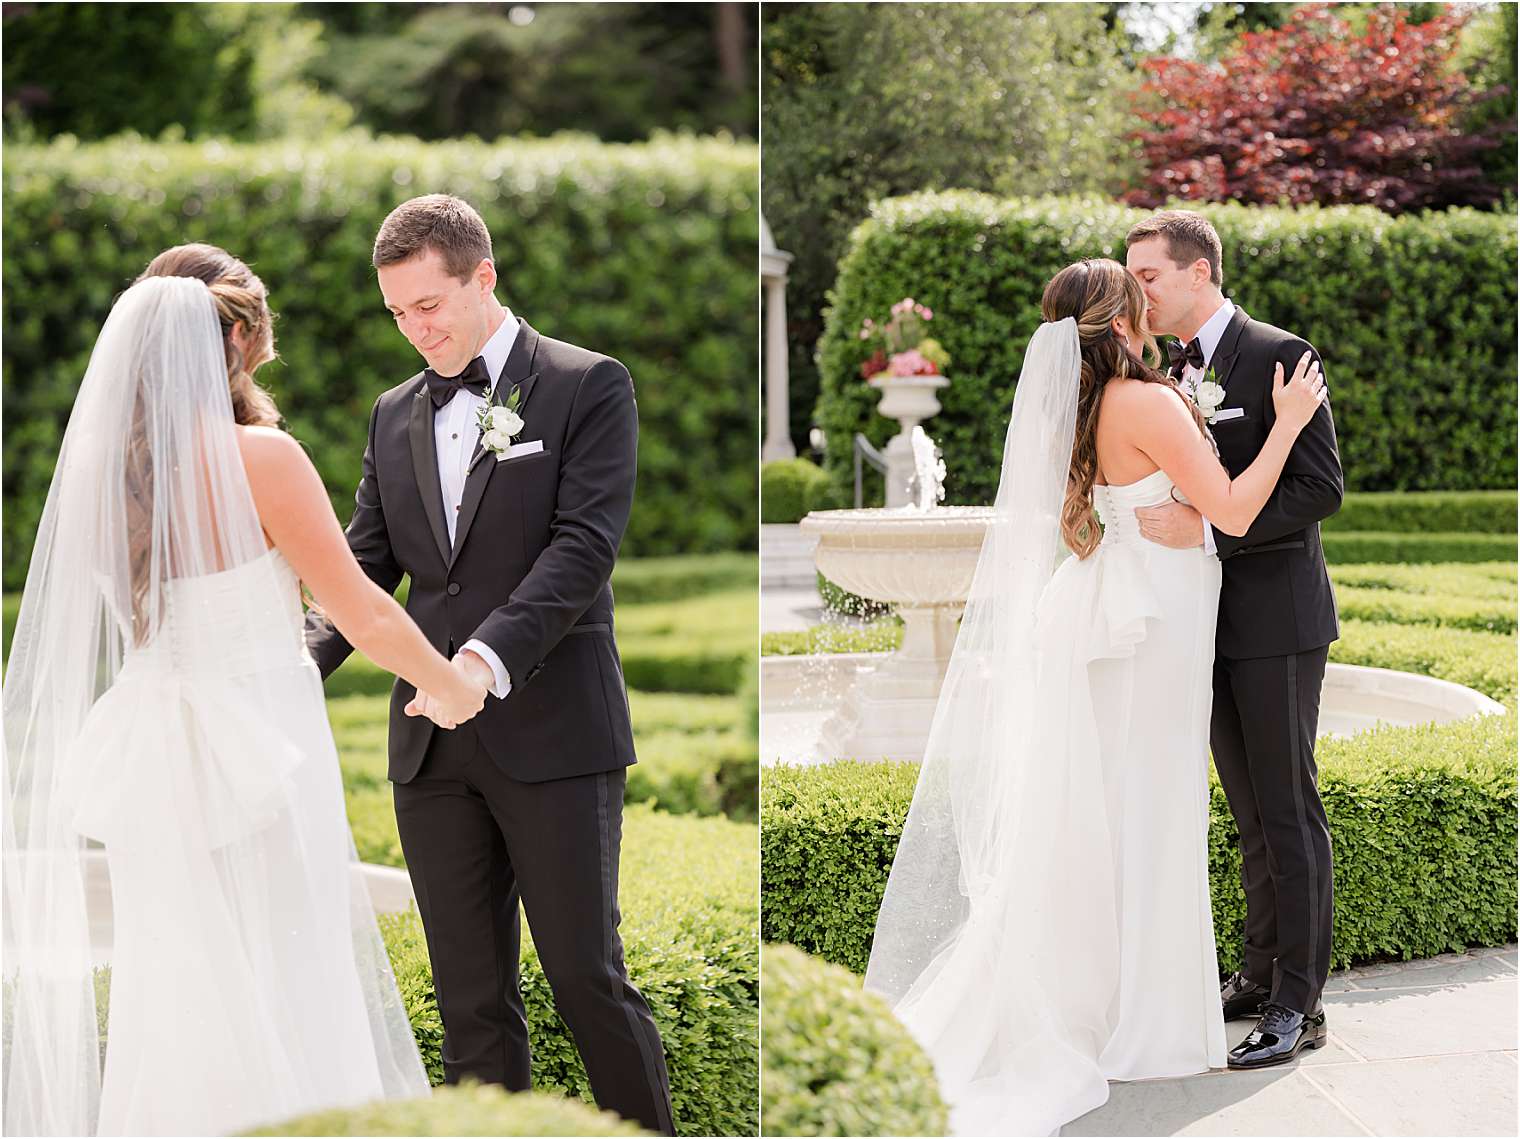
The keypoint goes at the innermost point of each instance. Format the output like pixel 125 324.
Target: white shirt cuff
pixel 503 681
pixel 1208 539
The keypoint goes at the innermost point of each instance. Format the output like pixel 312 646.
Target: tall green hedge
pixel 1415 317
pixel 1422 822
pixel 645 252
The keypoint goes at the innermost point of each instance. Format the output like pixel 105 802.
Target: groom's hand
pixel 425 704
pixel 1172 524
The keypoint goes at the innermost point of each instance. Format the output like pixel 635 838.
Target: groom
pixel 1277 618
pixel 509 537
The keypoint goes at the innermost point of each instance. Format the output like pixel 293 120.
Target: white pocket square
pixel 1225 413
pixel 518 450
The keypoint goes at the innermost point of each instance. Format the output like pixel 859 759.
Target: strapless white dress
pixel 248 979
pixel 1118 980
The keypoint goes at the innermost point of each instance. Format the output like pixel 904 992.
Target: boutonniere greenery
pixel 500 424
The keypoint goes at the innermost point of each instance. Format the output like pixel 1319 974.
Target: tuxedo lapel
pixel 517 372
pixel 1228 350
pixel 425 468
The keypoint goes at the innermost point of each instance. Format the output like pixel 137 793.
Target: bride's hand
pixel 1297 400
pixel 463 702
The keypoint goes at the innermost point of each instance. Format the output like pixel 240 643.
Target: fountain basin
pixel 923 562
pixel 910 557
pixel 799 695
pixel 390 891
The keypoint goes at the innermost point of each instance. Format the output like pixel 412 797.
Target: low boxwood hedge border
pixel 468 1110
pixel 1425 511
pixel 1422 821
pixel 690 938
pixel 835 1060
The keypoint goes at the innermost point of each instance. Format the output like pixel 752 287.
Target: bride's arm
pixel 295 511
pixel 1161 426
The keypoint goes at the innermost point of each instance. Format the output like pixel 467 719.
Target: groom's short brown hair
pixel 1188 236
pixel 439 222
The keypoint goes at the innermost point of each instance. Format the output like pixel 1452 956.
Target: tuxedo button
pixel 453 589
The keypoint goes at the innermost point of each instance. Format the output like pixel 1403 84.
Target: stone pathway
pixel 1416 1048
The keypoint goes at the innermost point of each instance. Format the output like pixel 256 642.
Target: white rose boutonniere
pixel 500 424
pixel 1210 396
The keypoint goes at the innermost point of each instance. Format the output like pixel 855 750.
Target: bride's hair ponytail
pixel 1094 292
pixel 240 299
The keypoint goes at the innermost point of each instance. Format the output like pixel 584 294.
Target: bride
pixel 1046 926
pixel 160 703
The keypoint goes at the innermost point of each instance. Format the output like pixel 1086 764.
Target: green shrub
pixel 687 895
pixel 879 636
pixel 697 645
pixel 1386 605
pixel 1354 547
pixel 712 774
pixel 469 1110
pixel 1415 316
pixel 789 488
pixel 1490 581
pixel 835 1061
pixel 1422 823
pixel 837 599
pixel 639 581
pixel 1473 511
pixel 643 251
pixel 1481 661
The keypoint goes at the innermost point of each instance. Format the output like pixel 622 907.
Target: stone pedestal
pixel 923 562
pixel 910 400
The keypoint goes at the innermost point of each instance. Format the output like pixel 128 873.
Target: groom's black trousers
pixel 1266 714
pixel 476 842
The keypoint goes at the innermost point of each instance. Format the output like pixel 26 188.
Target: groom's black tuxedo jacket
pixel 1276 598
pixel 529 569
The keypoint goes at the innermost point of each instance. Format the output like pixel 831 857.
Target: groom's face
pixel 1170 289
pixel 444 318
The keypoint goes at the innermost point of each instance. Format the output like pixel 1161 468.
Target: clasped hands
pixel 450 714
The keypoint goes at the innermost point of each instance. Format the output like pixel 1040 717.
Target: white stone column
pixel 778 437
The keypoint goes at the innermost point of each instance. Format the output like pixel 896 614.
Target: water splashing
pixel 928 471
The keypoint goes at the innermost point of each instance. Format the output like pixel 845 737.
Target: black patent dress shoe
pixel 1242 997
pixel 1281 1035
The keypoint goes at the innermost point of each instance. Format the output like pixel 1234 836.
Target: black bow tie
pixel 1190 355
pixel 474 378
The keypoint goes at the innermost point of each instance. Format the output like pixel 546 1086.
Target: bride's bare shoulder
pixel 1139 397
pixel 270 456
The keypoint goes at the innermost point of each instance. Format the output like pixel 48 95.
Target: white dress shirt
pixel 455 434
pixel 1208 339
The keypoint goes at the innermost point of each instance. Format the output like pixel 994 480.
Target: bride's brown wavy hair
pixel 240 298
pixel 1094 292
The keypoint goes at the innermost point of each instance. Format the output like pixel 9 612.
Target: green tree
pixel 93 70
pixel 865 101
pixel 618 71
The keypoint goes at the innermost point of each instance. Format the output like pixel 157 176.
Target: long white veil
pixel 156 730
pixel 995 937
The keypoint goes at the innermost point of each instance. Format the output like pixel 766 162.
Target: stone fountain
pixel 920 558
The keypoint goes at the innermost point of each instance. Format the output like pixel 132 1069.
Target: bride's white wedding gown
pixel 1105 968
pixel 248 979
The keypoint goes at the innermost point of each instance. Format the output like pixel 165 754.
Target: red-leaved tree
pixel 1316 111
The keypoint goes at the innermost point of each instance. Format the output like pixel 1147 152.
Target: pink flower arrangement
pixel 903 348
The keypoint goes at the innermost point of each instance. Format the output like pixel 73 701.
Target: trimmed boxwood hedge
pixel 643 251
pixel 1410 512
pixel 1415 316
pixel 690 938
pixel 1356 547
pixel 789 488
pixel 468 1110
pixel 835 1061
pixel 1422 822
